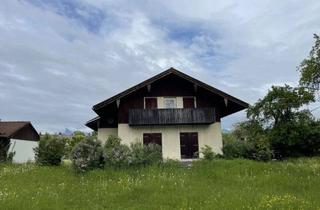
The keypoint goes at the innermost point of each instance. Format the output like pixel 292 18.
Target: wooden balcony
pixel 186 116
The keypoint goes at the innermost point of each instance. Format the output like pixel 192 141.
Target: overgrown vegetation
pixel 90 154
pixel 87 155
pixel 5 155
pixel 50 150
pixel 207 153
pixel 278 126
pixel 216 184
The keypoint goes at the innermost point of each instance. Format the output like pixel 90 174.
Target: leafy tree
pixel 310 68
pixel 280 105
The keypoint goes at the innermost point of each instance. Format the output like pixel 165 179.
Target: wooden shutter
pixel 188 102
pixel 151 103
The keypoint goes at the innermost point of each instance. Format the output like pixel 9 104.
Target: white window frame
pixel 170 98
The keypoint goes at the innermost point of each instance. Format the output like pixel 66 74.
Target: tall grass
pixel 218 184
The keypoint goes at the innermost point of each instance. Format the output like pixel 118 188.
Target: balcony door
pixel 189 145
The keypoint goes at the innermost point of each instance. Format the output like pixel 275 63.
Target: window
pixel 170 103
pixel 151 103
pixel 152 138
pixel 188 102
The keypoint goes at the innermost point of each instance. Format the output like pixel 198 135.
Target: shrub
pixel 145 154
pixel 50 150
pixel 72 141
pixel 261 149
pixel 237 149
pixel 115 153
pixel 153 154
pixel 87 155
pixel 5 155
pixel 207 153
pixel 137 154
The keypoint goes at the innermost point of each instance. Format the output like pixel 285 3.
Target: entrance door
pixel 189 145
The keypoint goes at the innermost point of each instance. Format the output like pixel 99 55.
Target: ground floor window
pixel 189 145
pixel 152 138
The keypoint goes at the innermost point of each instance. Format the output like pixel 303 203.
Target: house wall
pixel 23 150
pixel 104 133
pixel 207 135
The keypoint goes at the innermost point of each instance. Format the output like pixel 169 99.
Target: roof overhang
pixel 147 82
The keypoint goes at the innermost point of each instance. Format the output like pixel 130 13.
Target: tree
pixel 283 121
pixel 280 105
pixel 310 68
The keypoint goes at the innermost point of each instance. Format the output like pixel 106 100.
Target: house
pixel 172 109
pixel 19 137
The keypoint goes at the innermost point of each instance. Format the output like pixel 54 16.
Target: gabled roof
pixel 18 129
pixel 161 75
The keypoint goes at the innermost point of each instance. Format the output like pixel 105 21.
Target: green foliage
pixel 310 68
pixel 115 153
pixel 87 155
pixel 77 137
pixel 5 155
pixel 297 138
pixel 207 153
pixel 152 154
pixel 142 155
pixel 236 149
pixel 261 150
pixel 280 105
pixel 50 150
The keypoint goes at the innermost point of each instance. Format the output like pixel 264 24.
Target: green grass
pixel 219 184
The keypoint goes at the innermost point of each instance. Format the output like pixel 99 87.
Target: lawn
pixel 219 184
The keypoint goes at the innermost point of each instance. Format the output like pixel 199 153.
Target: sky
pixel 60 57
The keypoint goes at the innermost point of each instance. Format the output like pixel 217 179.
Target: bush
pixel 5 155
pixel 145 154
pixel 72 141
pixel 261 150
pixel 50 150
pixel 237 149
pixel 137 154
pixel 87 155
pixel 207 153
pixel 115 153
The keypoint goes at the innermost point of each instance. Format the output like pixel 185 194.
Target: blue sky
pixel 58 58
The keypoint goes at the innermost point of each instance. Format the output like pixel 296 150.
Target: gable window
pixel 151 103
pixel 170 103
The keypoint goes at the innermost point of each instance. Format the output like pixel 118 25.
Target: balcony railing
pixel 171 116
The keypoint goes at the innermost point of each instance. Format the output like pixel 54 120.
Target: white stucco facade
pixel 207 135
pixel 23 150
pixel 104 133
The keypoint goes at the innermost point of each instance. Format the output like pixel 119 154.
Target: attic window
pixel 170 103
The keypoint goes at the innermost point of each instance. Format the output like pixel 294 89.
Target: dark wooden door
pixel 188 102
pixel 189 145
pixel 151 103
pixel 152 138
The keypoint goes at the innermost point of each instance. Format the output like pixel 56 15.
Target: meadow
pixel 217 184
